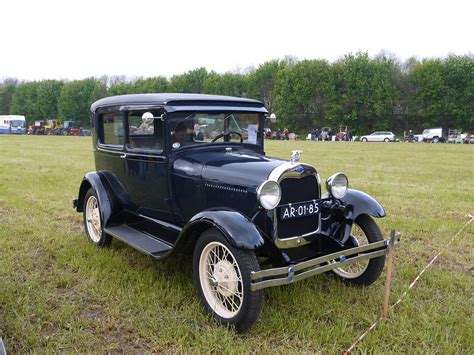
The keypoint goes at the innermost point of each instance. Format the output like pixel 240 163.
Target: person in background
pixel 286 134
pixel 197 134
pixel 277 135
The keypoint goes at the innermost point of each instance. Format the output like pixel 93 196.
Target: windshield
pixel 17 123
pixel 200 128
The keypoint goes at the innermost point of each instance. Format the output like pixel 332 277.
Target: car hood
pixel 237 166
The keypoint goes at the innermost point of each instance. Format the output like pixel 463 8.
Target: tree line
pixel 364 93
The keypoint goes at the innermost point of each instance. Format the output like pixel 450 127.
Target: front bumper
pixel 297 272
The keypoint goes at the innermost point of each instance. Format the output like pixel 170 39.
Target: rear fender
pixel 108 201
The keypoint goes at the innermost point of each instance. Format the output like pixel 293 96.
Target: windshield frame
pixel 171 121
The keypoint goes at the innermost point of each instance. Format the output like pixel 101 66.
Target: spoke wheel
pixel 354 270
pixel 93 220
pixel 222 278
pixel 364 272
pixel 93 224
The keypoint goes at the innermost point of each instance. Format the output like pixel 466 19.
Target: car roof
pixel 177 102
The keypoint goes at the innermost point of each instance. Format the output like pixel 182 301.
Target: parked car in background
pixel 434 135
pixel 379 136
pixel 249 221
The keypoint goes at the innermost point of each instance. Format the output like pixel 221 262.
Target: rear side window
pixel 112 129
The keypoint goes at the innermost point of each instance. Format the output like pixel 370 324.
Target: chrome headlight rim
pixel 262 194
pixel 337 191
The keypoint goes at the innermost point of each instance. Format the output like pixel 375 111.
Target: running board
pixel 139 240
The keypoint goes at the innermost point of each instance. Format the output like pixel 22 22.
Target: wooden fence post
pixel 388 282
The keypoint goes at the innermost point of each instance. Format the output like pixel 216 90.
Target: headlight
pixel 269 194
pixel 337 185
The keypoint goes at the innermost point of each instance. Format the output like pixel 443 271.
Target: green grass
pixel 60 293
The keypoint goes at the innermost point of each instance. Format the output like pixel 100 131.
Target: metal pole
pixel 388 282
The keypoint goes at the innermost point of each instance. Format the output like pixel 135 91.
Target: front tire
pixel 364 140
pixel 93 221
pixel 222 279
pixel 365 272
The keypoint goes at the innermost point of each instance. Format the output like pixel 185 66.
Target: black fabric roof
pixel 170 99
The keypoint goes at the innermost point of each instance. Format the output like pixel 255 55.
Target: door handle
pixel 123 156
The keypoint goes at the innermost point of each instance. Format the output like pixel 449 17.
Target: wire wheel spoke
pixel 354 270
pixel 93 223
pixel 221 280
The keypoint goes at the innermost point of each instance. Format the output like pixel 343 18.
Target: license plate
pixel 298 210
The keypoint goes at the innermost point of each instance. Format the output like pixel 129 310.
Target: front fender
pixel 355 203
pixel 239 231
pixel 361 203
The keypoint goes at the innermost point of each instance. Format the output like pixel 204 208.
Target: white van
pixel 434 135
pixel 12 124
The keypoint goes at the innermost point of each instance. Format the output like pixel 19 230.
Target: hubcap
pixel 94 227
pixel 354 270
pixel 221 280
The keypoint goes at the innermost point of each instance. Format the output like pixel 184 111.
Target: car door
pixel 146 171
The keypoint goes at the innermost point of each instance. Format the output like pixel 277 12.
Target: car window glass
pixel 112 128
pixel 201 127
pixel 145 131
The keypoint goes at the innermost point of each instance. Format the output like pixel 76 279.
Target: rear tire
pixel 365 272
pixel 93 220
pixel 386 140
pixel 435 139
pixel 222 279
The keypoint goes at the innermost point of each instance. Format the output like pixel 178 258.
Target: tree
pixel 261 82
pixel 24 101
pixel 151 85
pixel 191 82
pixel 226 84
pixel 47 96
pixel 77 96
pixel 7 90
pixel 366 92
pixel 302 94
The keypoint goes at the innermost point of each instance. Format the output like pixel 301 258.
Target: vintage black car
pixel 188 173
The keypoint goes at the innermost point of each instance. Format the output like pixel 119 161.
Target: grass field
pixel 60 293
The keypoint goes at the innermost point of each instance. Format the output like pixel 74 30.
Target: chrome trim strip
pixel 313 267
pixel 129 154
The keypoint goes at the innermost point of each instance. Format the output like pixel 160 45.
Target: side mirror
pixel 272 117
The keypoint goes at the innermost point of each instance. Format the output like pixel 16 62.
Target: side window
pixel 145 131
pixel 112 129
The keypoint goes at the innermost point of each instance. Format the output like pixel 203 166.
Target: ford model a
pixel 188 173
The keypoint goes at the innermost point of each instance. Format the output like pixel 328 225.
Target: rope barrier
pixel 359 339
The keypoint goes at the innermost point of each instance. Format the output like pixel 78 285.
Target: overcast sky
pixel 47 39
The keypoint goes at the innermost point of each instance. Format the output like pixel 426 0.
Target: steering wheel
pixel 227 134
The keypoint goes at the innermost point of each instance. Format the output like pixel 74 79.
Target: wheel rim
pixel 221 280
pixel 354 270
pixel 93 219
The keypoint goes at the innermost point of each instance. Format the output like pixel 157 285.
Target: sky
pixel 51 39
